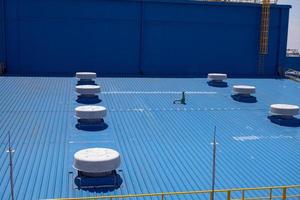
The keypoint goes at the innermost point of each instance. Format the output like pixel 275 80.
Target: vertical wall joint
pixel 264 35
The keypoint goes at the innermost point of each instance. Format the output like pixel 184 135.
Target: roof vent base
pixel 90 99
pixel 91 125
pixel 112 180
pixel 83 122
pixel 87 96
pixel 86 82
pixel 100 174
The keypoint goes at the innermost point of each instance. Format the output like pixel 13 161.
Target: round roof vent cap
pixel 244 89
pixel 86 75
pixel 216 77
pixel 95 161
pixel 90 112
pixel 284 109
pixel 87 89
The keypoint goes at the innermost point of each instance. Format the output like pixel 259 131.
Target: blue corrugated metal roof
pixel 164 147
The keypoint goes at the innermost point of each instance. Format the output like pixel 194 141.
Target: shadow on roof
pixel 244 99
pixel 220 84
pixel 289 122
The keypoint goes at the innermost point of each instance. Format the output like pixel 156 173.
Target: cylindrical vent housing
pixel 86 75
pixel 96 161
pixel 216 77
pixel 284 110
pixel 90 112
pixel 87 90
pixel 244 89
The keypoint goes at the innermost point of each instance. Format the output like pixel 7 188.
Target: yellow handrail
pixel 228 192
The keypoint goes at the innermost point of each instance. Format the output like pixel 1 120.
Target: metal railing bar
pixel 227 191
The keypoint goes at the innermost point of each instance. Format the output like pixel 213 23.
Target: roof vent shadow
pixel 220 84
pixel 244 98
pixel 285 121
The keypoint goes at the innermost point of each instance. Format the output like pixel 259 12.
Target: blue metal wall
pixel 2 32
pixel 293 63
pixel 151 38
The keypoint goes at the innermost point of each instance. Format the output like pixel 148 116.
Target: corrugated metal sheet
pixel 164 147
pixel 140 38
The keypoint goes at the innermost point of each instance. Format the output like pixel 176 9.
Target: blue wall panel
pixel 293 63
pixel 197 39
pixel 151 38
pixel 61 37
pixel 2 32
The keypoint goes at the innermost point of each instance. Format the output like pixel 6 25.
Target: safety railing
pixel 281 193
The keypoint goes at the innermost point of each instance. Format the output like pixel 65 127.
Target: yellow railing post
pixel 162 196
pixel 271 194
pixel 243 194
pixel 228 195
pixel 284 193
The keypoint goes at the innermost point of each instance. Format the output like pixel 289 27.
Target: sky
pixel 294 24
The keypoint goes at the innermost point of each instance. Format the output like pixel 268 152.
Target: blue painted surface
pixel 141 38
pixel 293 63
pixel 2 32
pixel 164 147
